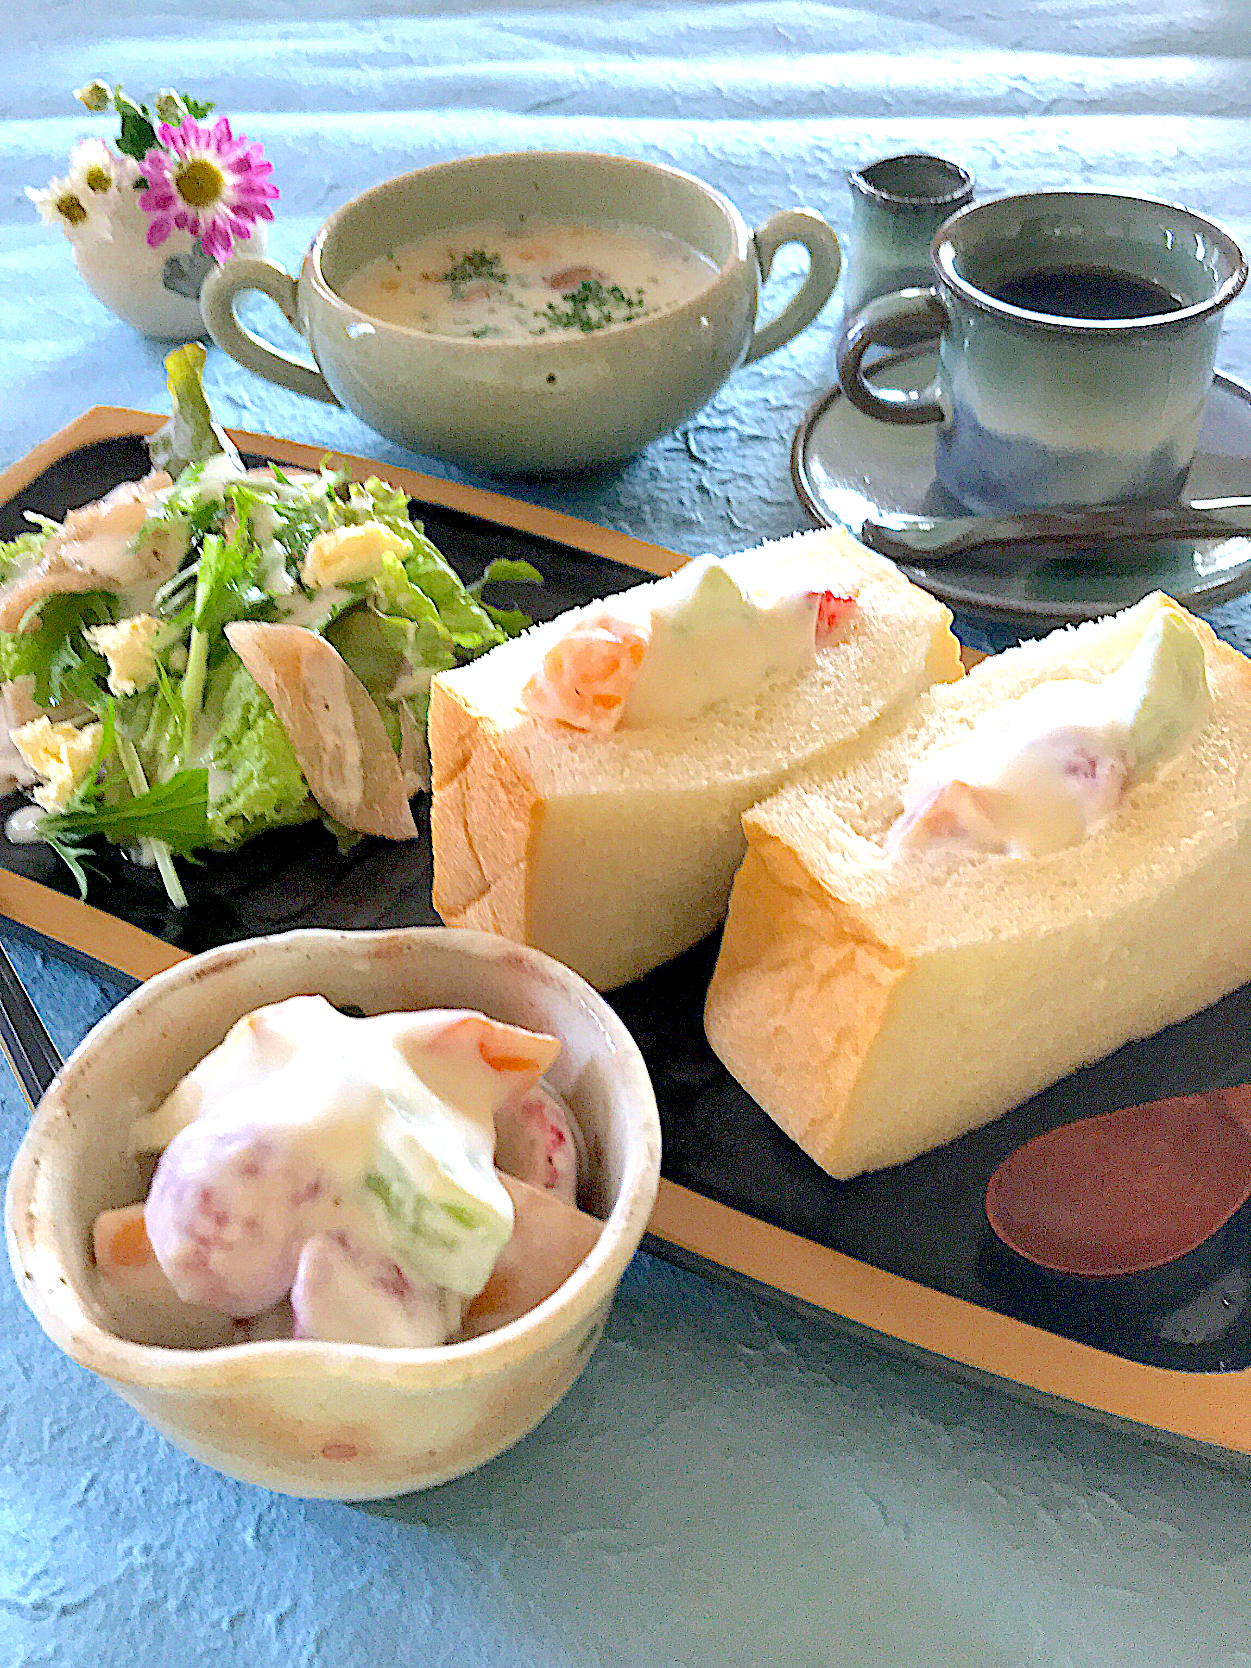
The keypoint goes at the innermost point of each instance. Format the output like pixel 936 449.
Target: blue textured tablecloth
pixel 728 1484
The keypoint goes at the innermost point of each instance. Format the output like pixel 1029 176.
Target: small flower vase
pixel 155 290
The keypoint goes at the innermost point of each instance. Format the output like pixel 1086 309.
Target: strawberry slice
pixel 834 608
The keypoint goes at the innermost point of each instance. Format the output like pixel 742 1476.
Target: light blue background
pixel 728 1483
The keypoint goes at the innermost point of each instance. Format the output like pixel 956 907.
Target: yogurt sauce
pixel 379 1132
pixel 493 280
pixel 327 1177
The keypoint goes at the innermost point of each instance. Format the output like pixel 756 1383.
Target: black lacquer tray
pixel 905 1252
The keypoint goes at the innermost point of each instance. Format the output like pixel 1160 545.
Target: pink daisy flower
pixel 207 183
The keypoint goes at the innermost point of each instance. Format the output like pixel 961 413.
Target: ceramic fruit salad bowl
pixel 321 1413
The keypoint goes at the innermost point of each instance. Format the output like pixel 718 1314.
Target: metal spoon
pixel 910 538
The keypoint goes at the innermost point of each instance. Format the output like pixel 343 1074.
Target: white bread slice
pixel 615 852
pixel 878 1006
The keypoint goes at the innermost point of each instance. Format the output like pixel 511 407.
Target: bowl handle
pixel 217 303
pixel 824 259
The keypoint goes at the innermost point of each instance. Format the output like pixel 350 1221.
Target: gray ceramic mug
pixel 1078 337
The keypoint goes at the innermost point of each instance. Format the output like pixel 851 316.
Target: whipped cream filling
pixel 1046 770
pixel 662 653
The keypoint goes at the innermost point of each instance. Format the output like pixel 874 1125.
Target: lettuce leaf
pixel 421 647
pixel 266 788
pixel 393 592
pixel 372 500
pixel 225 587
pixel 510 621
pixel 425 571
pixel 505 570
pixel 191 435
pixel 175 812
pixel 224 591
pixel 17 553
pixel 467 622
pixel 370 651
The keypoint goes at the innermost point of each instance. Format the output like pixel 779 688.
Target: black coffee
pixel 1086 292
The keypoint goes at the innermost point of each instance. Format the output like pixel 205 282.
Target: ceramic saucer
pixel 849 468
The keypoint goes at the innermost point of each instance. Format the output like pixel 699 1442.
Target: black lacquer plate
pixel 923 1221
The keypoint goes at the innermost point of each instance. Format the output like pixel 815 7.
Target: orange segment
pixel 587 674
pixel 120 1240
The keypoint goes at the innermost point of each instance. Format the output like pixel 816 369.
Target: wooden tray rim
pixel 1209 1409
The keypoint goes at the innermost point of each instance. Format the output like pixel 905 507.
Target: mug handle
pixel 921 313
pixel 824 259
pixel 217 303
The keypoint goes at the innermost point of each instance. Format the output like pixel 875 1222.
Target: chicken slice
pixel 17 707
pixel 333 725
pixel 96 548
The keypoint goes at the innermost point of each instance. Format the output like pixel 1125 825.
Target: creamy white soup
pixel 544 278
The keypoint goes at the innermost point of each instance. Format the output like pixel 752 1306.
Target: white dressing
pixel 22 827
pixel 223 469
pixel 296 607
pixel 273 577
pixel 264 524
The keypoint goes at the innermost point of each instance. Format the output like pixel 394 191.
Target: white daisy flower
pixel 98 174
pixel 61 203
pixel 82 204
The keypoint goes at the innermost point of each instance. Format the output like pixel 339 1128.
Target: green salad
pixel 216 651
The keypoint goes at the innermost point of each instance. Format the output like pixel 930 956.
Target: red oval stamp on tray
pixel 1126 1191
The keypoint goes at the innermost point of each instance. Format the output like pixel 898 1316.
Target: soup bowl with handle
pixel 562 400
pixel 307 1417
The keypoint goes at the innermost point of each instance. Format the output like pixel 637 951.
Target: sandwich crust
pixel 877 1006
pixel 614 853
pixel 484 821
pixel 800 974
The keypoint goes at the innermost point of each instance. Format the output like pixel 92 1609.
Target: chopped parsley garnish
pixel 593 305
pixel 474 266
